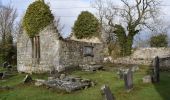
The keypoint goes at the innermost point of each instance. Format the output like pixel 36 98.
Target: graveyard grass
pixel 141 91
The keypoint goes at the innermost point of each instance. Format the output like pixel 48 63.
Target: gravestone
pixel 120 73
pixel 27 79
pixel 2 75
pixel 155 75
pixel 9 66
pixel 128 80
pixel 5 64
pixel 107 94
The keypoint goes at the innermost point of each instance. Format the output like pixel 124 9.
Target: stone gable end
pixel 55 53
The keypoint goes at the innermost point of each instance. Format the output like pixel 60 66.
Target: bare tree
pixel 107 33
pixel 129 19
pixel 58 25
pixel 18 30
pixel 159 26
pixel 7 21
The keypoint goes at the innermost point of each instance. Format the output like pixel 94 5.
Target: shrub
pixel 159 41
pixel 114 49
pixel 86 26
pixel 38 16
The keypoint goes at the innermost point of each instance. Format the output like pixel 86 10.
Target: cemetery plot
pixel 115 88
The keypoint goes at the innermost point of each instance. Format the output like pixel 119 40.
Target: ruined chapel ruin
pixel 54 53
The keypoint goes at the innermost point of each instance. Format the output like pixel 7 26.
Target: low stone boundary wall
pixel 165 63
pixel 150 53
pixel 145 56
pixel 130 60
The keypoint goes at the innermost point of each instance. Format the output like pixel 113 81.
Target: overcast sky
pixel 68 10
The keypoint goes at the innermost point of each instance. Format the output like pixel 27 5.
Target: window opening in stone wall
pixel 88 51
pixel 36 48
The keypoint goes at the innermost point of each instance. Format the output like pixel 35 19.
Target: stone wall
pixel 144 56
pixel 55 53
pixel 165 63
pixel 24 53
pixel 71 53
pixel 150 53
pixel 49 55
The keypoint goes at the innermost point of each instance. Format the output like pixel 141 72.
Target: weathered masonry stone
pixel 55 53
pixel 145 56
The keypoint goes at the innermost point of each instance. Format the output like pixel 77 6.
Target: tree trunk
pixel 129 43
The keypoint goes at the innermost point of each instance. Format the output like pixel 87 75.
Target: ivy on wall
pixel 37 17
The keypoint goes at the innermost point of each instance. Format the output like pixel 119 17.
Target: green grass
pixel 140 91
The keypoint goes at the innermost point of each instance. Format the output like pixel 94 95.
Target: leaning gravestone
pixel 107 93
pixel 128 79
pixel 155 64
pixel 27 79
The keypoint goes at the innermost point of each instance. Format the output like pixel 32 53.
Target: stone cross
pixel 128 80
pixel 155 64
pixel 107 93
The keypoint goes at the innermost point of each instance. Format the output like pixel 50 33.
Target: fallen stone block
pixel 39 82
pixel 62 76
pixel 5 88
pixel 91 67
pixel 69 84
pixel 147 79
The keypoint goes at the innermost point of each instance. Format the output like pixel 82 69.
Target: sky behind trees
pixel 68 10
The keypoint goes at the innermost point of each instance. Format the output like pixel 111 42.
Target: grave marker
pixel 107 93
pixel 128 79
pixel 155 64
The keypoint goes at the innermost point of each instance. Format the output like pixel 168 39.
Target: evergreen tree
pixel 159 41
pixel 86 26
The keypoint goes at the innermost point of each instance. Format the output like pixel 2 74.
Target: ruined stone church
pixel 54 53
